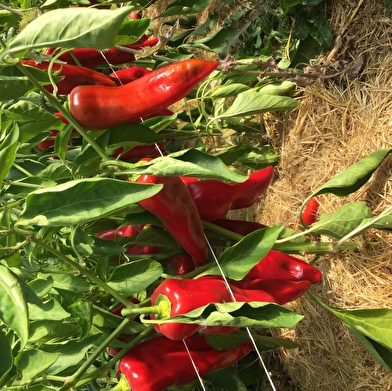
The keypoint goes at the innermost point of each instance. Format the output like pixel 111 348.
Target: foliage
pixel 59 282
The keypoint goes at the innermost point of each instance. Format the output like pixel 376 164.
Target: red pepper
pixel 282 291
pixel 129 231
pixel 176 209
pixel 101 107
pixel 215 198
pixel 125 76
pixel 139 151
pixel 278 265
pixel 160 363
pixel 91 58
pixel 181 264
pixel 74 76
pixel 310 214
pixel 241 227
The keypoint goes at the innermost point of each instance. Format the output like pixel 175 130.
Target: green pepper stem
pixel 162 308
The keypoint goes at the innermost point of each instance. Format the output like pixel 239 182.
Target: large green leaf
pixel 251 102
pixel 70 27
pixel 185 7
pixel 354 177
pixel 340 223
pixel 6 361
pixel 371 326
pixel 190 162
pixel 13 306
pixel 135 276
pixel 82 200
pixel 238 314
pixel 8 147
pixel 238 259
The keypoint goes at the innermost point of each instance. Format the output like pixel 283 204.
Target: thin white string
pixel 247 328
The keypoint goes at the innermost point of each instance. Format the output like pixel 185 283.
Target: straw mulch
pixel 339 122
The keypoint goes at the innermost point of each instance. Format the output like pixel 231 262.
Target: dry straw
pixel 339 122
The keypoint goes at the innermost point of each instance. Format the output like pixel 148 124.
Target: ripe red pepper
pixel 74 76
pixel 310 213
pixel 160 363
pixel 241 227
pixel 129 231
pixel 101 107
pixel 181 264
pixel 278 265
pixel 175 297
pixel 139 151
pixel 125 76
pixel 215 198
pixel 91 58
pixel 176 209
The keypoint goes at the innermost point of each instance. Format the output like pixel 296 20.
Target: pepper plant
pixel 93 224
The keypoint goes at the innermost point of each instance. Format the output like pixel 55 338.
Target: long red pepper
pixel 160 363
pixel 215 198
pixel 181 264
pixel 102 107
pixel 74 76
pixel 310 213
pixel 175 207
pixel 125 76
pixel 91 58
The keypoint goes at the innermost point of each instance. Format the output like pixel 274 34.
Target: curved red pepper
pixel 101 107
pixel 160 363
pixel 241 227
pixel 175 207
pixel 215 198
pixel 175 297
pixel 278 265
pixel 129 231
pixel 74 76
pixel 181 264
pixel 310 213
pixel 125 76
pixel 91 58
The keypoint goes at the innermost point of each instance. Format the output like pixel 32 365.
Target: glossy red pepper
pixel 91 58
pixel 310 213
pixel 176 297
pixel 241 227
pixel 129 231
pixel 74 76
pixel 181 264
pixel 102 107
pixel 174 206
pixel 215 198
pixel 278 265
pixel 125 76
pixel 160 363
pixel 139 151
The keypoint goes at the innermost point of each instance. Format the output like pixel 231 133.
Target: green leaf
pixel 371 326
pixel 185 7
pixel 6 362
pixel 224 91
pixel 89 245
pixel 82 313
pixel 226 379
pixel 238 259
pixel 190 162
pixel 238 314
pixel 8 148
pixel 67 282
pixel 32 119
pixel 41 328
pixel 13 307
pixel 41 286
pixel 48 310
pixel 131 31
pixel 251 102
pixel 354 177
pixel 76 27
pixel 384 224
pixel 13 87
pixel 80 201
pixel 342 222
pixel 277 88
pixel 34 362
pixel 135 276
